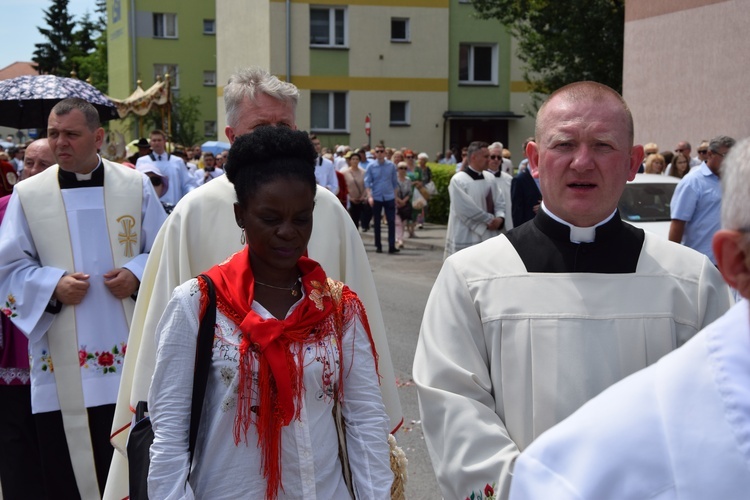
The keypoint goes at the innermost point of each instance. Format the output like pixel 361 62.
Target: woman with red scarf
pixel 288 344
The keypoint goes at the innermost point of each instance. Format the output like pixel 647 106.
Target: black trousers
pixel 20 464
pixel 361 213
pixel 57 470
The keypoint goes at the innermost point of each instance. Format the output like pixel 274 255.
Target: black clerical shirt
pixel 544 247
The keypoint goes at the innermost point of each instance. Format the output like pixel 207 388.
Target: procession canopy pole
pixel 169 109
pixel 138 83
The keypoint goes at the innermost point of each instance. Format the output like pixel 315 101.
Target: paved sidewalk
pixel 431 237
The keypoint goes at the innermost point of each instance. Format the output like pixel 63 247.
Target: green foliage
pixel 79 46
pixel 51 56
pixel 186 118
pixel 563 42
pixel 439 204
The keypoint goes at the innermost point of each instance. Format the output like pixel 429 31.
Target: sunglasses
pixel 409 157
pixel 702 151
pixel 380 150
pixel 402 168
pixel 496 157
pixel 155 181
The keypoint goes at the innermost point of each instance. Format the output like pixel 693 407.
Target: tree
pixel 563 42
pixel 89 57
pixel 51 56
pixel 185 120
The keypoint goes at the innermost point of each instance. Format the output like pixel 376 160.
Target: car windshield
pixel 643 202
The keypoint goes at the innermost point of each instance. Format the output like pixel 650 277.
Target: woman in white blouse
pixel 288 343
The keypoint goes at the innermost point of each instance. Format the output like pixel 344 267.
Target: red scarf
pixel 280 376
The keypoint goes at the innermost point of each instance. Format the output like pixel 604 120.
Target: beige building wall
pixel 685 70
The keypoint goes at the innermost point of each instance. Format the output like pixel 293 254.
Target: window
pixel 165 25
pixel 209 27
pixel 328 26
pixel 399 113
pixel 209 128
pixel 399 30
pixel 328 111
pixel 161 70
pixel 209 78
pixel 477 64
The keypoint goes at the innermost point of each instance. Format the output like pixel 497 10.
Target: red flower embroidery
pixel 82 357
pixel 106 359
pixel 488 491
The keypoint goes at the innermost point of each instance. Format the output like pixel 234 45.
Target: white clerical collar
pixel 579 234
pixel 87 177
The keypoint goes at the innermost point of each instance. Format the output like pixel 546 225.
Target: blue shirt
pixel 697 201
pixel 382 180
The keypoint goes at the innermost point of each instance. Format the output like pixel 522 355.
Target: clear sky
pixel 19 32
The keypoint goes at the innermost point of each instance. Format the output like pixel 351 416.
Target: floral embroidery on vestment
pixel 487 494
pixel 8 375
pixel 10 306
pixel 103 361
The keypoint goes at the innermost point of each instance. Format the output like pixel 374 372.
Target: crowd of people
pixel 555 332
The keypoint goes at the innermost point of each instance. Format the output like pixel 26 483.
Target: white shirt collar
pixel 87 177
pixel 579 234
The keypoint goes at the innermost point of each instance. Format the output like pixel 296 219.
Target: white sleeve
pixel 366 420
pixel 466 437
pixel 169 399
pixel 26 287
pixel 468 212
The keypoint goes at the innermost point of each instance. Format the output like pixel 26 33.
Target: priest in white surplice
pixel 477 210
pixel 521 330
pixel 197 236
pixel 73 247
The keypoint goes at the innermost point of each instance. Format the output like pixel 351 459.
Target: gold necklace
pixel 291 288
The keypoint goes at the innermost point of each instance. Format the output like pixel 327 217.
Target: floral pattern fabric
pixel 106 361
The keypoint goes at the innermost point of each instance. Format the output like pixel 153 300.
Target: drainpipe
pixel 289 41
pixel 133 44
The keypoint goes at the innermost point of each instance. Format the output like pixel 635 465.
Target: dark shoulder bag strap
pixel 202 362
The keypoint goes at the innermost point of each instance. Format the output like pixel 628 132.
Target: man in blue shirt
pixel 696 204
pixel 381 183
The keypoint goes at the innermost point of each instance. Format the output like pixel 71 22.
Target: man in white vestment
pixel 521 330
pixel 180 179
pixel 73 246
pixel 197 235
pixel 477 210
pixel 679 428
pixel 502 179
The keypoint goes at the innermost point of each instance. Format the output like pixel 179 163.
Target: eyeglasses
pixel 719 154
pixel 702 151
pixel 496 157
pixel 380 150
pixel 402 168
pixel 409 157
pixel 155 181
pixel 679 150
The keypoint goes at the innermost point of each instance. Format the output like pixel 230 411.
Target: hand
pixel 495 223
pixel 71 289
pixel 371 201
pixel 121 282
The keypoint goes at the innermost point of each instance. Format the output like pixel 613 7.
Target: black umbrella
pixel 26 101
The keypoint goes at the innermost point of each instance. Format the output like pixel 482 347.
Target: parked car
pixel 645 203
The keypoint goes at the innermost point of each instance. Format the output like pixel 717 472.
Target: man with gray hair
pixel 198 235
pixel 677 429
pixel 503 179
pixel 696 203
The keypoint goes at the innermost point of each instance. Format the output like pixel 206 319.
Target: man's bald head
pixel 38 157
pixel 584 91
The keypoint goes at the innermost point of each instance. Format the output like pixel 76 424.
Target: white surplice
pixel 679 429
pixel 100 321
pixel 504 354
pixel 470 212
